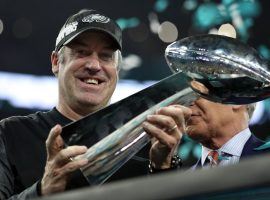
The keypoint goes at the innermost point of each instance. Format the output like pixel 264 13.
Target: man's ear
pixel 237 107
pixel 55 63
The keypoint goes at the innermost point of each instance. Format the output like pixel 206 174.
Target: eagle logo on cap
pixel 96 17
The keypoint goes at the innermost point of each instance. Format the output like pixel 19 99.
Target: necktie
pixel 213 158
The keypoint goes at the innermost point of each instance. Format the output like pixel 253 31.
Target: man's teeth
pixel 91 81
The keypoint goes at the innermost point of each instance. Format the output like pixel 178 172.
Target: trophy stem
pixel 109 154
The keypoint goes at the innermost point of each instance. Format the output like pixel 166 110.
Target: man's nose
pixel 195 101
pixel 192 103
pixel 93 63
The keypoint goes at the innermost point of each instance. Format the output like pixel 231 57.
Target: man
pixel 222 129
pixel 85 61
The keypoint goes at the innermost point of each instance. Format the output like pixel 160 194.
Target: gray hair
pixel 250 109
pixel 119 59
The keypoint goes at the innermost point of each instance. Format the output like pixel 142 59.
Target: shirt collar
pixel 205 152
pixel 233 147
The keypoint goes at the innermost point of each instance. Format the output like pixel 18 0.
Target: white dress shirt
pixel 231 151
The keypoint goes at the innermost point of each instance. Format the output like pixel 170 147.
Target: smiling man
pixel 87 73
pixel 33 160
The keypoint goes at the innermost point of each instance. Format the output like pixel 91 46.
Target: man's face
pixel 87 72
pixel 208 120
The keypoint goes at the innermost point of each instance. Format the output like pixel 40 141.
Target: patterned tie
pixel 213 158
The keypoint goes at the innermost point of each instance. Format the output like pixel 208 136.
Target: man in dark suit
pixel 222 129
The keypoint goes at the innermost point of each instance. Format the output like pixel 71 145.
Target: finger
pixel 65 155
pixel 167 123
pixel 175 111
pixel 73 165
pixel 54 142
pixel 55 131
pixel 59 173
pixel 163 137
pixel 179 113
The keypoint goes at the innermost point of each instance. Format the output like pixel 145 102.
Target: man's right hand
pixel 59 163
pixel 166 128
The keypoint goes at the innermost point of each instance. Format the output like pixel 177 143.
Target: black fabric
pixel 250 146
pixel 23 154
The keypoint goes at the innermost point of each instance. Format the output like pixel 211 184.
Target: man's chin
pixel 193 133
pixel 95 104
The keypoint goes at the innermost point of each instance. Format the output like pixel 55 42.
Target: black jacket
pixel 23 155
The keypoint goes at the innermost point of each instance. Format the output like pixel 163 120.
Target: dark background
pixel 37 23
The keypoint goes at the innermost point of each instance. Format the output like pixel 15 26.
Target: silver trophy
pixel 228 70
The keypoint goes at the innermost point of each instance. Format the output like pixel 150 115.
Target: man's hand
pixel 166 127
pixel 59 163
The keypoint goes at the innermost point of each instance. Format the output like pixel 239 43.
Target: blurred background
pixel 28 30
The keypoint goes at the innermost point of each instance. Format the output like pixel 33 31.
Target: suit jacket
pixel 248 150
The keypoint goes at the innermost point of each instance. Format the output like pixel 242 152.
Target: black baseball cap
pixel 88 20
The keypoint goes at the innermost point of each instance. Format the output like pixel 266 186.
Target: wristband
pixel 176 163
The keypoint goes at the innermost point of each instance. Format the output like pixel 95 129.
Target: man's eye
pixel 106 56
pixel 82 52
